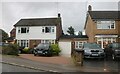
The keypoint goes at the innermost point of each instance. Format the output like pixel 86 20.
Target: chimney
pixel 59 15
pixel 89 8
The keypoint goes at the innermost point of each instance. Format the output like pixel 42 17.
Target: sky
pixel 73 12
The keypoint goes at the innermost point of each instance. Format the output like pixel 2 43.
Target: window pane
pixel 23 30
pixel 43 29
pixel 47 29
pixel 105 24
pixel 52 29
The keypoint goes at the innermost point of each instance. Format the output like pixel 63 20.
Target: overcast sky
pixel 72 13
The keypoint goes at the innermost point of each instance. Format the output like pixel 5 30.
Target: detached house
pixel 30 32
pixel 103 27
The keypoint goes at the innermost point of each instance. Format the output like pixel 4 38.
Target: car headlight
pixel 116 50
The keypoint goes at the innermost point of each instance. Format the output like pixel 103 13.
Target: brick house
pixel 13 33
pixel 102 27
pixel 30 32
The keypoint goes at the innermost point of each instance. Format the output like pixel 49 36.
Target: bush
pixel 55 49
pixel 11 49
pixel 26 50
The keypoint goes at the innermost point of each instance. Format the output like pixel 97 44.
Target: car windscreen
pixel 43 46
pixel 92 46
pixel 116 45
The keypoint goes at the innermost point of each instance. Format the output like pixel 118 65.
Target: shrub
pixel 11 49
pixel 26 50
pixel 55 49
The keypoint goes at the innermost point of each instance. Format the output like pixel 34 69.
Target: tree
pixel 71 30
pixel 3 35
pixel 80 33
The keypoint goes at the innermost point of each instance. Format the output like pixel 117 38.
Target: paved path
pixel 54 60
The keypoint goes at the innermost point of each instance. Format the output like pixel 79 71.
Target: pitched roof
pixel 102 15
pixel 105 14
pixel 38 22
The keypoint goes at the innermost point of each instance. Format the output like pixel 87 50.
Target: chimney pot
pixel 89 8
pixel 58 14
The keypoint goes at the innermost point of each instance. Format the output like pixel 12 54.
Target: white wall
pixel 65 47
pixel 35 32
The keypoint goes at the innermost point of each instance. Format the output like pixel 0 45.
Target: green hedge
pixel 55 49
pixel 11 49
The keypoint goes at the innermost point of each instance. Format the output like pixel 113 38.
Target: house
pixel 13 33
pixel 102 27
pixel 30 32
pixel 11 39
pixel 68 43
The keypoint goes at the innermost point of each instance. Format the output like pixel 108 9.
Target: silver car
pixel 93 50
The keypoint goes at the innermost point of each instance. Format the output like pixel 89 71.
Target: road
pixel 93 65
pixel 11 68
pixel 108 65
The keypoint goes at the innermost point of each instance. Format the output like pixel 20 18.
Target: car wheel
pixel 113 57
pixel 35 53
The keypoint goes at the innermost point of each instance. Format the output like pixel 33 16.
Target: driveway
pixel 54 60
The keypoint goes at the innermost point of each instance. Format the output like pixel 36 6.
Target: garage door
pixel 65 48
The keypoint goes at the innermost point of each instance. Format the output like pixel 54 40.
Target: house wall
pixel 13 32
pixel 35 32
pixel 58 31
pixel 90 29
pixel 33 43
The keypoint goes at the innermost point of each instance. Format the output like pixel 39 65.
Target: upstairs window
pixel 48 29
pixel 23 30
pixel 105 24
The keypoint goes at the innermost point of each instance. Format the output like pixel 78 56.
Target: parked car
pixel 115 48
pixel 3 44
pixel 43 49
pixel 93 50
pixel 21 49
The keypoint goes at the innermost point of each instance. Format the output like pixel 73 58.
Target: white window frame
pixel 51 31
pixel 24 43
pixel 19 29
pixel 102 23
pixel 49 41
pixel 78 43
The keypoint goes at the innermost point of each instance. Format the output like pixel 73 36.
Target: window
pixel 52 29
pixel 18 30
pixel 104 41
pixel 48 29
pixel 79 44
pixel 105 24
pixel 23 43
pixel 48 41
pixel 23 30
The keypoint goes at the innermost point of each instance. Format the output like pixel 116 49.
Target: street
pixel 89 65
pixel 106 65
pixel 11 68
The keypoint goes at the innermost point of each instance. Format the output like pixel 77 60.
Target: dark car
pixel 93 50
pixel 42 49
pixel 115 50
